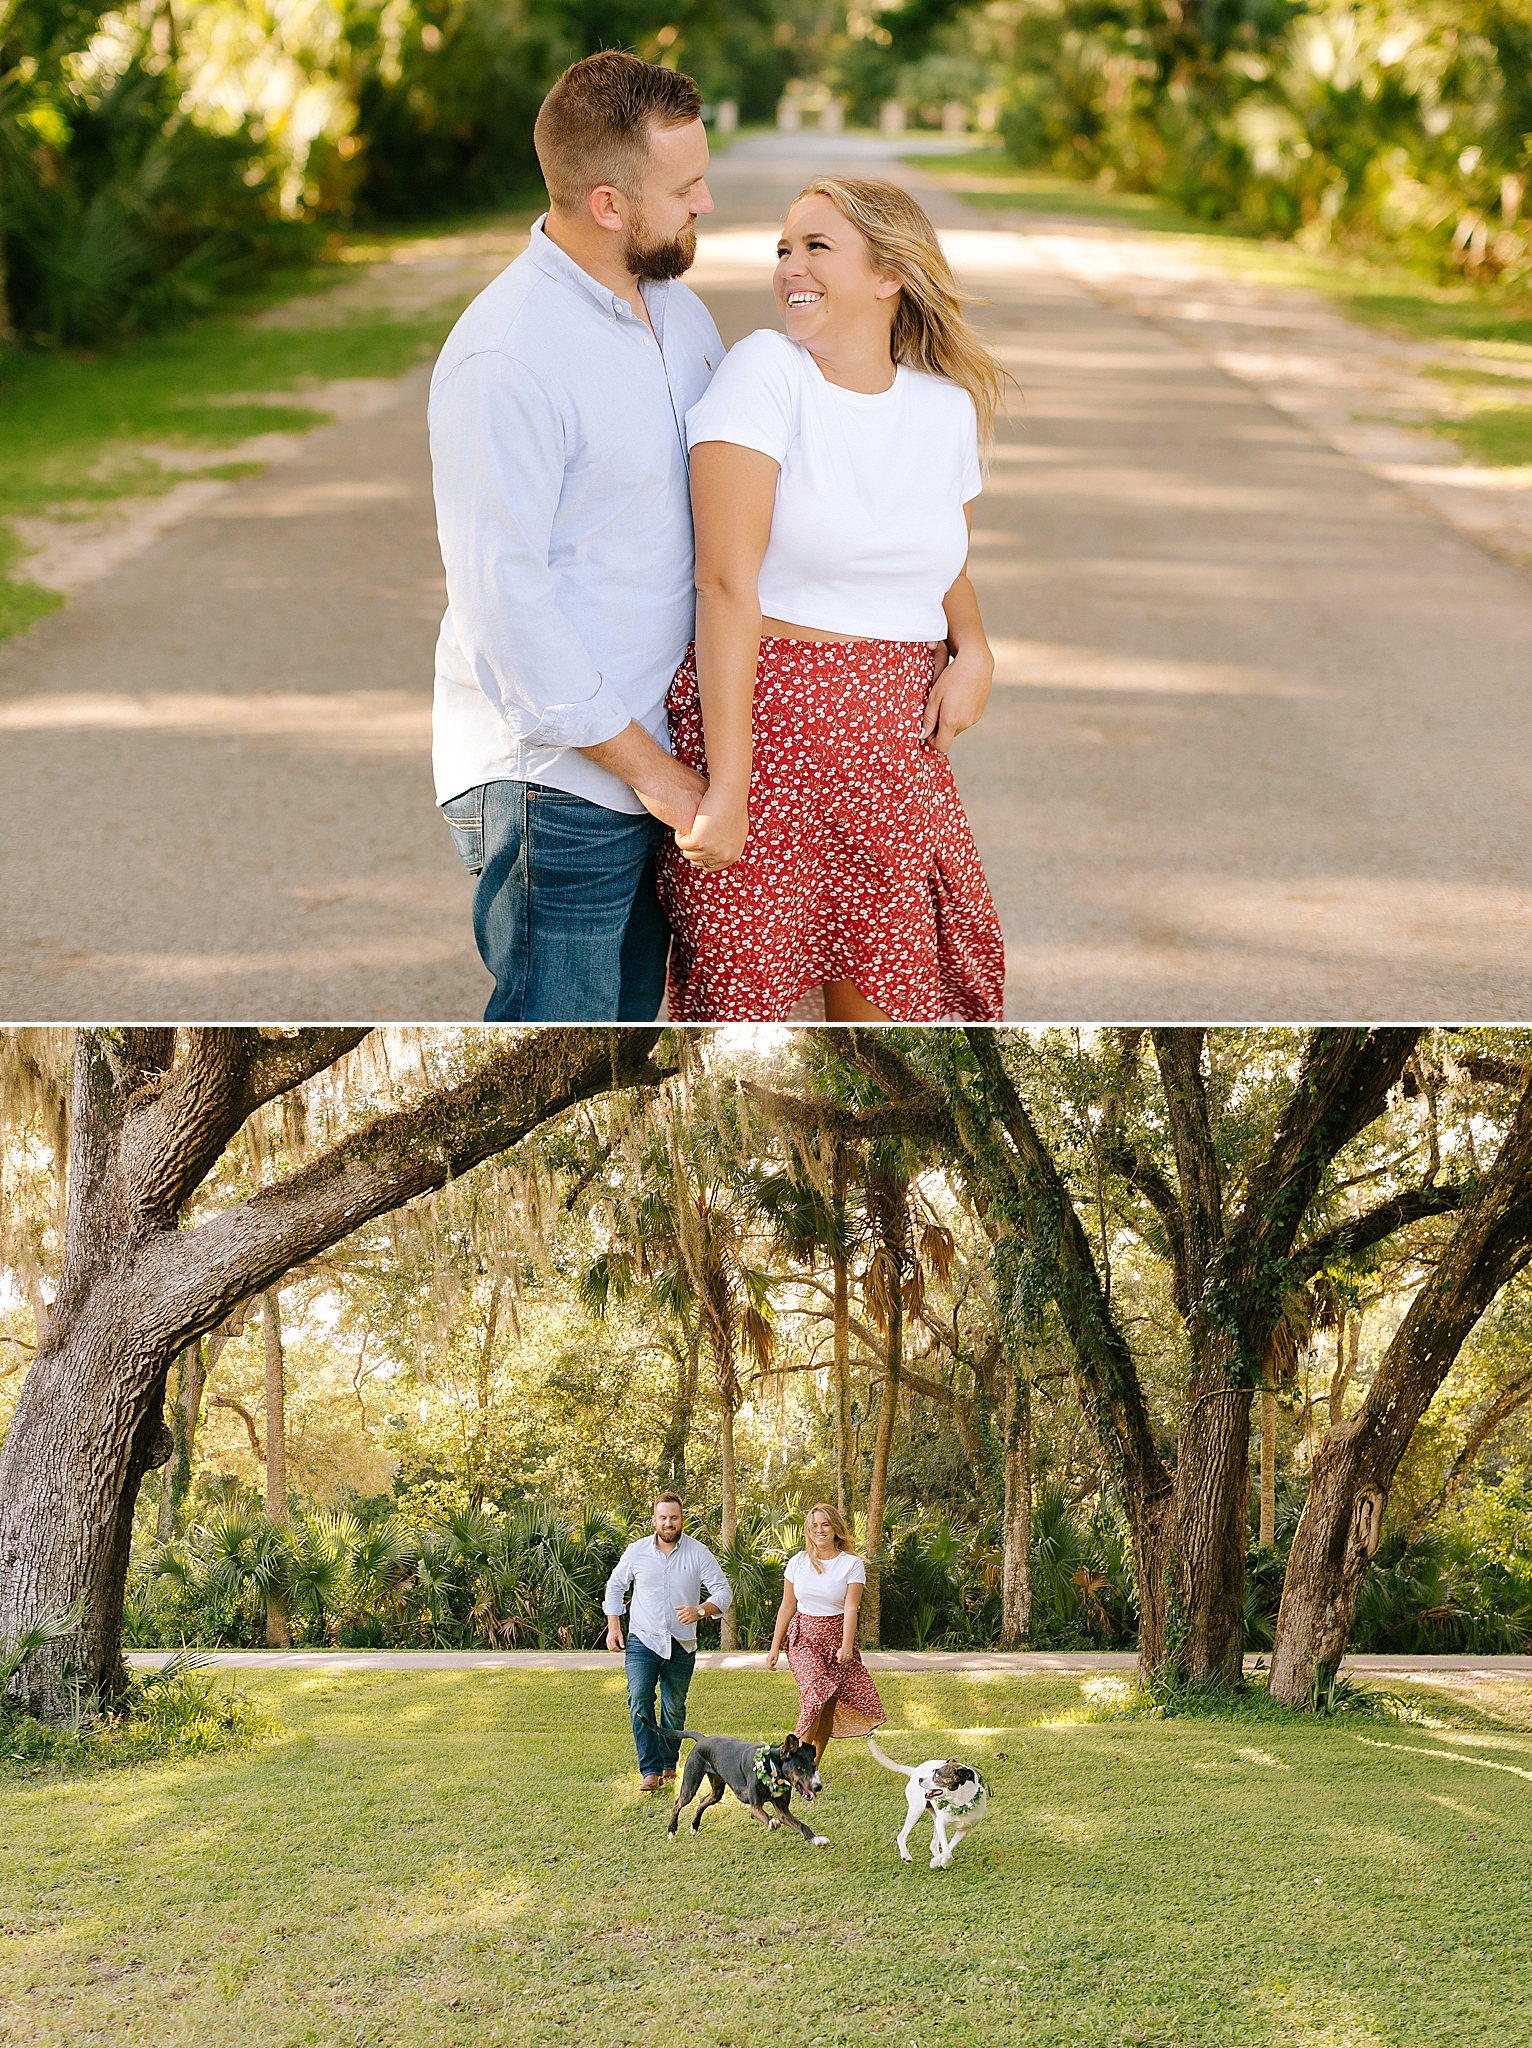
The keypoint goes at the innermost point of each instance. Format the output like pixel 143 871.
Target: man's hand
pixel 690 1614
pixel 613 1633
pixel 667 788
pixel 958 695
pixel 717 836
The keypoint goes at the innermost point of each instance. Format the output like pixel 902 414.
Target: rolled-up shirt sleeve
pixel 719 1591
pixel 617 1585
pixel 498 454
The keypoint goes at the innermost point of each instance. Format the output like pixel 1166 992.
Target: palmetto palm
pixel 688 1241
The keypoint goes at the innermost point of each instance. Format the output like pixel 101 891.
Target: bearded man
pixel 557 415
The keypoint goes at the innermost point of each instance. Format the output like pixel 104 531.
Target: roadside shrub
pixel 445 115
pixel 180 1710
pixel 1405 127
pixel 533 1577
pixel 118 209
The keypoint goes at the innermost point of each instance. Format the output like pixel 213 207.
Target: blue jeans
pixel 565 909
pixel 673 1676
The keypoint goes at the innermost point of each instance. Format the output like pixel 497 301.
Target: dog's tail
pixel 904 1770
pixel 675 1735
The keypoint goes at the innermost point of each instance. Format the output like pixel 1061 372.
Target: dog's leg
pixel 711 1798
pixel 939 1850
pixel 686 1792
pixel 808 1834
pixel 917 1807
pixel 953 1839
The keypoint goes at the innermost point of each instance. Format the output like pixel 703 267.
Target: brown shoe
pixel 650 1783
pixel 669 1777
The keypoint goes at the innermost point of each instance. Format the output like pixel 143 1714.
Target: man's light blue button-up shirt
pixel 558 447
pixel 663 1582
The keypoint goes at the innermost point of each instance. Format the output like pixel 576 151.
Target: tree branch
pixel 257 1448
pixel 1105 1372
pixel 1497 1410
pixel 191 1280
pixel 1492 1243
pixel 1178 1055
pixel 178 1125
pixel 1342 1085
pixel 1360 1233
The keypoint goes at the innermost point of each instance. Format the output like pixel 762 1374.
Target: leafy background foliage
pixel 156 156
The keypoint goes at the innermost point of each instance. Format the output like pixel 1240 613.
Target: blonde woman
pixel 822 1588
pixel 839 647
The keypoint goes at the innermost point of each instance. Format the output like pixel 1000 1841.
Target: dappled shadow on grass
pixel 461 1857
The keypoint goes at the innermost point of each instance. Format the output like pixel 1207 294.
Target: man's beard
pixel 646 259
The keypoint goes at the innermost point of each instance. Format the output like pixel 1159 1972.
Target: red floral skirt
pixel 859 865
pixel 812 1641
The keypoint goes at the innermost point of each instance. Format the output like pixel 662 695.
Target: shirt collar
pixel 548 256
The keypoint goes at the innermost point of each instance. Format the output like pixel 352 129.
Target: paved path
pixel 1258 749
pixel 970 1662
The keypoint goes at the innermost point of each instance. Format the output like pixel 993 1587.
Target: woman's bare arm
pixel 961 690
pixel 785 1614
pixel 847 1648
pixel 733 495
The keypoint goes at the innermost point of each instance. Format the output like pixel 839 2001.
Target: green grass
pixel 74 423
pixel 22 603
pixel 1500 435
pixel 1381 294
pixel 451 1857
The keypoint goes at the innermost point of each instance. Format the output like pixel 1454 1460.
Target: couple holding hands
pixel 710 632
pixel 675 1582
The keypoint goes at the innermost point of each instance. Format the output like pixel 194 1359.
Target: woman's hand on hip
pixel 958 695
pixel 718 832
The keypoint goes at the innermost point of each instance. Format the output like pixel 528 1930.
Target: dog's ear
pixel 790 1743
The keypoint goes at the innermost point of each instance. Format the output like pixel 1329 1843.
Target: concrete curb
pixel 971 1663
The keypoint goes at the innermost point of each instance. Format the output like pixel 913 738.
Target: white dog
pixel 952 1793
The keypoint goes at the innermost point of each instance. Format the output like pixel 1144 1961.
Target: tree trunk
pixel 728 1523
pixel 150 1119
pixel 485 1378
pixel 193 1368
pixel 683 1406
pixel 1016 1556
pixel 1353 1470
pixel 877 1492
pixel 1204 1540
pixel 1346 1357
pixel 279 1634
pixel 844 1487
pixel 1268 1467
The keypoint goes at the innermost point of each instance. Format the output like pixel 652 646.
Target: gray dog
pixel 764 1775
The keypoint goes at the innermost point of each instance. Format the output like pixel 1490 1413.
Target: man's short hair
pixel 659 1498
pixel 593 128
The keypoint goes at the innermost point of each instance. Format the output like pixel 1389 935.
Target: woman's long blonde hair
pixel 930 332
pixel 837 1522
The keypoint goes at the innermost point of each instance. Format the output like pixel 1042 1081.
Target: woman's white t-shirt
pixel 824 1591
pixel 868 533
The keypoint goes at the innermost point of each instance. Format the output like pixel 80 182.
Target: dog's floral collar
pixel 766 1772
pixel 944 1802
